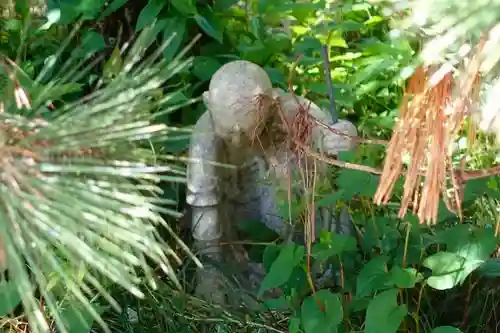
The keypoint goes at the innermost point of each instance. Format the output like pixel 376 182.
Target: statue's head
pixel 238 98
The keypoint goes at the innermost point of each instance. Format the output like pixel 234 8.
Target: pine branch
pixel 80 190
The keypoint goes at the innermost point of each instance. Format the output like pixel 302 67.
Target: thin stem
pixel 329 84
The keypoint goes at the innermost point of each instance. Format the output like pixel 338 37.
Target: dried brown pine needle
pixel 428 125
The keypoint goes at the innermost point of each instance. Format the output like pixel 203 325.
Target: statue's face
pixel 236 122
pixel 233 98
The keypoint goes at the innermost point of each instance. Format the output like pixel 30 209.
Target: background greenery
pixel 397 275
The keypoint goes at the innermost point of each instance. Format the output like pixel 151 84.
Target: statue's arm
pixel 330 140
pixel 202 194
pixel 324 139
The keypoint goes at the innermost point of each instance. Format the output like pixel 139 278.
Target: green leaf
pixel 149 13
pixel 278 42
pixel 186 7
pixel 210 26
pixel 454 237
pixel 269 256
pixel 314 319
pixel 257 231
pixel 92 42
pixel 481 244
pixel 374 20
pixel 276 76
pixel 346 26
pixel 446 329
pixel 282 268
pixel 376 66
pixel 330 199
pixel 465 253
pixel 337 41
pixel 71 9
pixel 490 268
pixel 9 296
pixel 294 325
pixel 333 244
pixel 77 318
pixel 113 7
pixel 205 67
pixel 223 5
pixel 373 276
pixel 22 7
pixel 384 315
pixel 355 182
pixel 175 30
pixel 258 27
pixel 280 303
pixel 306 44
pixel 405 277
pixel 446 269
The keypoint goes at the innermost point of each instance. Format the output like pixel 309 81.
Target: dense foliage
pixel 116 131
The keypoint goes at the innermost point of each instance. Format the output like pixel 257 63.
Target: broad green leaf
pixel 72 9
pixel 257 232
pixel 299 30
pixel 277 77
pixel 306 44
pixel 467 251
pixel 9 297
pixel 175 30
pixel 294 325
pixel 337 41
pixel 481 244
pixel 269 256
pixel 376 67
pixel 205 67
pixel 330 199
pixel 446 269
pixel 258 27
pixel 149 13
pixel 355 182
pixel 210 26
pixel 477 187
pixel 446 329
pixel 22 7
pixel 223 5
pixel 278 42
pixel 92 42
pixel 490 268
pixel 77 318
pixel 282 268
pixel 405 277
pixel 314 320
pixel 186 7
pixel 346 26
pixel 373 276
pixel 113 7
pixel 333 244
pixel 280 303
pixel 374 20
pixel 453 237
pixel 384 315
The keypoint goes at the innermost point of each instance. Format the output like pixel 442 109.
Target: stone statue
pixel 238 159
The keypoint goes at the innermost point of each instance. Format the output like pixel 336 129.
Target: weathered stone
pixel 239 160
pixel 8 8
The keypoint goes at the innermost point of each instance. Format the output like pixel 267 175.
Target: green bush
pixel 395 275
